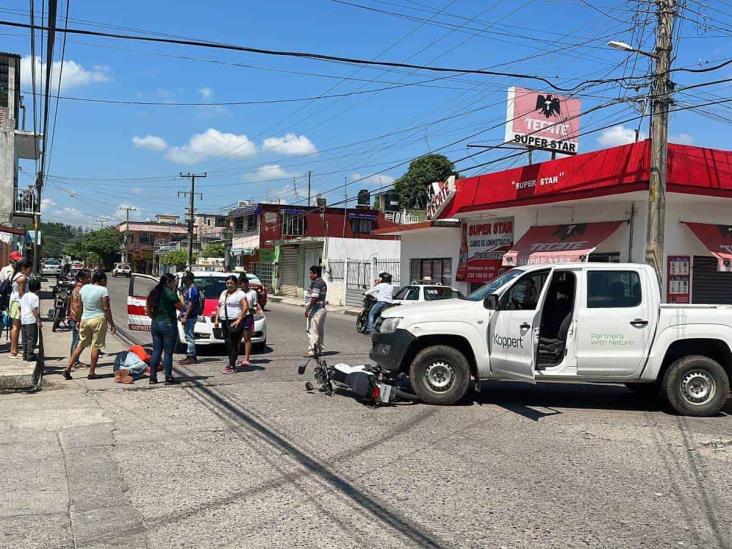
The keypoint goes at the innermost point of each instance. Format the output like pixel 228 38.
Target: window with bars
pixel 362 226
pixel 437 270
pixel 293 224
pixel 147 238
pixel 251 223
pixel 239 224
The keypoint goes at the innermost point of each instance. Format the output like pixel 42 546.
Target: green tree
pixel 55 237
pixel 213 250
pixel 179 258
pixel 104 244
pixel 413 186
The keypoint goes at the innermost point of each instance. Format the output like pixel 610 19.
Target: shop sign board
pixel 539 120
pixel 482 246
pixel 441 197
pixel 679 270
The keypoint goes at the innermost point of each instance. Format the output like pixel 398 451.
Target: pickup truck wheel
pixel 696 385
pixel 440 375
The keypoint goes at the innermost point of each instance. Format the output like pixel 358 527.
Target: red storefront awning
pixel 718 240
pixel 559 243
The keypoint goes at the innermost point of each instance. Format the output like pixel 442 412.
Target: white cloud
pixel 206 93
pixel 268 172
pixel 73 76
pixel 618 135
pixel 150 142
pixel 290 144
pixel 137 190
pixel 683 138
pixel 47 204
pixel 212 143
pixel 380 179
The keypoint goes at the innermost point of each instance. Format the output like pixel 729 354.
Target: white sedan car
pixel 211 284
pixel 416 293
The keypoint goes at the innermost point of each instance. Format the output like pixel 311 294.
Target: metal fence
pixel 264 272
pixel 336 269
pixel 360 276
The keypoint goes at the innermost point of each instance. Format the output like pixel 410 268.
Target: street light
pixel 624 46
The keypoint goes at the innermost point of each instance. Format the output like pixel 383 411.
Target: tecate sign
pixel 539 120
pixel 442 194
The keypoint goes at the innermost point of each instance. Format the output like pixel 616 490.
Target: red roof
pixel 693 170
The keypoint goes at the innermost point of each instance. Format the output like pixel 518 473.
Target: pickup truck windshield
pixel 492 286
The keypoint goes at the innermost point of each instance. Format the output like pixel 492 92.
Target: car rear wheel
pixel 696 385
pixel 440 375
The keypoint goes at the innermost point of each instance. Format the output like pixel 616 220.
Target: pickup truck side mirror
pixel 491 302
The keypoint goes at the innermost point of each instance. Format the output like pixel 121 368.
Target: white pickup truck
pixel 588 322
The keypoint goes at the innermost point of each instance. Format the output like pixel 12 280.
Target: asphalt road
pixel 252 459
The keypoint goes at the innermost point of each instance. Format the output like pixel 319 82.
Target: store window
pixel 613 289
pixel 439 271
pixel 293 224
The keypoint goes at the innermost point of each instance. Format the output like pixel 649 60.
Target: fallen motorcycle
pixel 368 383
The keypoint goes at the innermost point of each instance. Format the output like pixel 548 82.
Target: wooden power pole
pixel 661 94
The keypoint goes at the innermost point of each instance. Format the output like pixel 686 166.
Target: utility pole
pixel 191 196
pixel 128 209
pixel 345 205
pixel 309 174
pixel 661 91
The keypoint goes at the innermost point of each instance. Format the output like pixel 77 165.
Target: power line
pixel 301 54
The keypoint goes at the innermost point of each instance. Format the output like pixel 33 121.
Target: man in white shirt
pixel 7 272
pixel 383 292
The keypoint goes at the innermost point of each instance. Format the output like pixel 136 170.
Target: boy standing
pixel 189 316
pixel 30 318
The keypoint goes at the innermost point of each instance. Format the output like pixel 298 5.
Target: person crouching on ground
pixel 189 316
pixel 232 307
pixel 251 296
pixel 30 318
pixel 315 312
pixel 96 317
pixel 74 311
pixel 162 303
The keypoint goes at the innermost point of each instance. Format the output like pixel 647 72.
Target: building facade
pixel 280 242
pixel 590 207
pixel 143 238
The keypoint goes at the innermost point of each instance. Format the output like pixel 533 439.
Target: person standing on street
pixel 74 312
pixel 232 308
pixel 30 318
pixel 383 291
pixel 96 316
pixel 161 306
pixel 315 312
pixel 19 281
pixel 6 273
pixel 189 316
pixel 251 297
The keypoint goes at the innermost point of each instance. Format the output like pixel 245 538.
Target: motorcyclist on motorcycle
pixel 383 291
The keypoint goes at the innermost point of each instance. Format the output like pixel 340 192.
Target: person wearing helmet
pixel 383 291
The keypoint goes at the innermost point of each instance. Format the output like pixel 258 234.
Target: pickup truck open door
pixel 139 288
pixel 513 334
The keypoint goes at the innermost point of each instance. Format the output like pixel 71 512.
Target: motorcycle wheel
pixel 361 321
pixel 56 319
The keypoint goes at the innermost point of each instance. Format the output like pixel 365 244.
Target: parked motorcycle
pixel 61 297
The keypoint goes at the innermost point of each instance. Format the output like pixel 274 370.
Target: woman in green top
pixel 162 304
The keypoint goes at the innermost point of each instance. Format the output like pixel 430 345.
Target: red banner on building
pixel 482 246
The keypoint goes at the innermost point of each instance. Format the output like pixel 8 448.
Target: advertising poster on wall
pixel 482 246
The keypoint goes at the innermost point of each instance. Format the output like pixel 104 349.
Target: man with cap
pixel 7 272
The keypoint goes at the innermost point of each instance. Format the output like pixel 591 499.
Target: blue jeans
pixel 374 314
pixel 74 336
pixel 190 336
pixel 164 335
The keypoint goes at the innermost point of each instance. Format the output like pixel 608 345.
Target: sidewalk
pixel 19 375
pixel 299 303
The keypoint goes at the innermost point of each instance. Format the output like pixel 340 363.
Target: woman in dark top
pixel 161 308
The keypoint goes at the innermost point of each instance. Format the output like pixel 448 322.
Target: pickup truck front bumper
pixel 388 350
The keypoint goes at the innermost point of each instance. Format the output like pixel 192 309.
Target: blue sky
pixel 109 155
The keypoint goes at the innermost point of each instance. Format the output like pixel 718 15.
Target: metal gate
pixel 289 270
pixel 264 273
pixel 708 284
pixel 358 280
pixel 360 276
